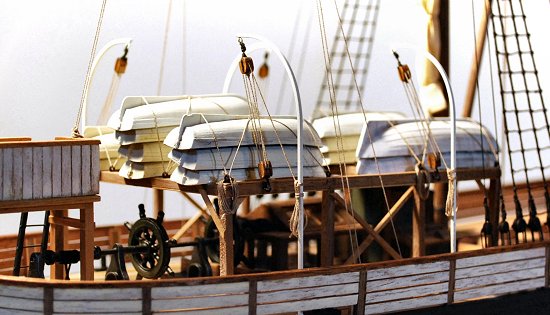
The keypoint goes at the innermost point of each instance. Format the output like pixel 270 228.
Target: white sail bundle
pixel 109 158
pixel 340 134
pixel 142 124
pixel 398 145
pixel 205 147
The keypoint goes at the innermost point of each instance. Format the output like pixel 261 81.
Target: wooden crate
pixel 63 167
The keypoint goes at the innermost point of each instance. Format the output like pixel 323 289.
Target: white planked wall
pixel 41 172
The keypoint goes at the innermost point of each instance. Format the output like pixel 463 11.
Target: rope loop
pixel 451 176
pixel 227 194
pixel 422 181
pixel 295 217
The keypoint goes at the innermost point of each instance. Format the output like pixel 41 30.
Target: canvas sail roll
pixel 395 142
pixel 143 123
pixel 339 147
pixel 109 158
pixel 138 112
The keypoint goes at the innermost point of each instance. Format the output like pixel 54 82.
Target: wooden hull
pixel 370 288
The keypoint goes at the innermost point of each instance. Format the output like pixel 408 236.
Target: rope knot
pixel 295 217
pixel 451 176
pixel 227 194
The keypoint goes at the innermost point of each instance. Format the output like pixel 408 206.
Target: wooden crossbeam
pixel 380 226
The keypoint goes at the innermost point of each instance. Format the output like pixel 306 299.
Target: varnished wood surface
pixel 377 288
pixel 274 275
pixel 47 204
pixel 285 185
pixel 27 142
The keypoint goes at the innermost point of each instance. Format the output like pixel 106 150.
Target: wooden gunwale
pixel 276 275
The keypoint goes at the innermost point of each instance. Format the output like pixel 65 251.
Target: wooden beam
pixel 382 224
pixel 192 202
pixel 285 185
pixel 252 297
pixel 226 246
pixel 187 226
pixel 57 242
pixel 361 293
pixel 217 221
pixel 327 227
pixel 87 242
pixel 158 201
pixel 418 226
pixel 451 291
pixel 481 38
pixel 494 207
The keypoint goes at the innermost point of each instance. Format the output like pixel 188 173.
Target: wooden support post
pixel 451 290
pixel 327 234
pixel 158 201
pixel 146 300
pixel 494 205
pixel 547 267
pixel 57 242
pixel 48 300
pixel 87 242
pixel 361 293
pixel 418 226
pixel 187 226
pixel 380 226
pixel 252 297
pixel 226 246
pixel 481 38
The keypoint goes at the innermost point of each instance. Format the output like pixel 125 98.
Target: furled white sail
pixel 340 134
pixel 392 143
pixel 188 177
pixel 139 112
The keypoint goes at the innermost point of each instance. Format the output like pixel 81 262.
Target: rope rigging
pixel 360 20
pixel 521 95
pixel 331 88
pixel 75 132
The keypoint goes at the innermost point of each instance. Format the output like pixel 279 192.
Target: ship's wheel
pixel 153 262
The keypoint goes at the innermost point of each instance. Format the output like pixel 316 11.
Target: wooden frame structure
pixel 53 175
pixel 327 186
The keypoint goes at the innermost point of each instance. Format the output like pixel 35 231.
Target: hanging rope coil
pixel 451 176
pixel 295 217
pixel 228 192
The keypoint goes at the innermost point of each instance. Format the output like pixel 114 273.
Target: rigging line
pixel 282 89
pixel 164 45
pixel 478 62
pixel 75 132
pixel 368 131
pixel 514 100
pixel 164 169
pixel 331 90
pixel 275 129
pixel 184 46
pixel 251 121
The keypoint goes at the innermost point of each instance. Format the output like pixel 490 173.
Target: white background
pixel 45 49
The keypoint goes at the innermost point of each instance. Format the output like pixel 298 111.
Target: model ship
pixel 221 148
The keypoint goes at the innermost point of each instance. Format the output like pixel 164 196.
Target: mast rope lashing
pixel 228 192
